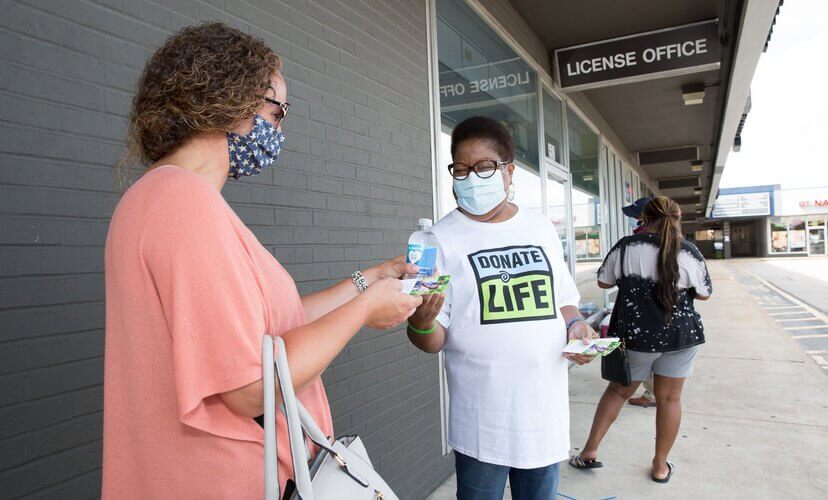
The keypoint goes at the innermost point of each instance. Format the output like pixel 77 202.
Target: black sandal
pixel 579 463
pixel 666 479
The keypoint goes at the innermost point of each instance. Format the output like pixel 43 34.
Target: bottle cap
pixel 424 222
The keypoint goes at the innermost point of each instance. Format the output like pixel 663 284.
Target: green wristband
pixel 423 332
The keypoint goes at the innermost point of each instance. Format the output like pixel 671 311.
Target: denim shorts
pixel 675 364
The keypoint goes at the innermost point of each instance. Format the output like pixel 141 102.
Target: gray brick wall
pixel 346 193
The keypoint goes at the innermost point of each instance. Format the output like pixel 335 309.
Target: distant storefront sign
pixel 742 205
pixel 813 204
pixel 803 201
pixel 672 51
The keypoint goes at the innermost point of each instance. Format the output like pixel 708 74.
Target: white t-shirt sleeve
pixel 610 270
pixel 568 290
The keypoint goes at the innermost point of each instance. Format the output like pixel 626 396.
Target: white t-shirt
pixel 640 316
pixel 507 378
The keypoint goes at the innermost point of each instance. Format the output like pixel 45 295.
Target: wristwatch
pixel 359 280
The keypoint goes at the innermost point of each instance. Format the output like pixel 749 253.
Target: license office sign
pixel 486 84
pixel 655 54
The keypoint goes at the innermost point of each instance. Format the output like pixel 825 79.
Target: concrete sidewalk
pixel 754 422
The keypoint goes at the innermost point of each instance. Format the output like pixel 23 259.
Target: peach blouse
pixel 189 293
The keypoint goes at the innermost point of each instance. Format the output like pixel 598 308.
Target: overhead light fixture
pixel 589 178
pixel 699 210
pixel 698 203
pixel 669 155
pixel 693 94
pixel 679 182
pixel 697 190
pixel 696 166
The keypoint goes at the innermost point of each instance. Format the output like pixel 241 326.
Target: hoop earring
pixel 511 194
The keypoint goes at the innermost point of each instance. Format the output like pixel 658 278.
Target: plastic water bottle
pixel 423 250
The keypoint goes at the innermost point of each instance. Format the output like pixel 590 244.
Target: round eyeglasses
pixel 483 169
pixel 281 113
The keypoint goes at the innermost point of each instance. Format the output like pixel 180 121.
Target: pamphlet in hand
pixel 596 347
pixel 426 285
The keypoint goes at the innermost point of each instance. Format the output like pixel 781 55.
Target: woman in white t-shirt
pixel 509 311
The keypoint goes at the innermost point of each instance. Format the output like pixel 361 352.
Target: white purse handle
pixel 299 422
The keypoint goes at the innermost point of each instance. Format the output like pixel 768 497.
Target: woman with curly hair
pixel 190 290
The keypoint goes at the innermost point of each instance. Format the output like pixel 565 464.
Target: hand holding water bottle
pixel 423 250
pixel 395 268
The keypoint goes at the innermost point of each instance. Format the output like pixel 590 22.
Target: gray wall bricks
pixel 354 179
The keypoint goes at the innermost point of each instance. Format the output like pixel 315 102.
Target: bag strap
pixel 271 463
pixel 300 424
pixel 298 450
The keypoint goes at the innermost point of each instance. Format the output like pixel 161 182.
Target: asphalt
pixel 806 278
pixel 754 423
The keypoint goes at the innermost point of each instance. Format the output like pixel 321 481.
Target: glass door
pixel 558 210
pixel 816 240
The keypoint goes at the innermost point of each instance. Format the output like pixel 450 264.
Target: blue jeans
pixel 478 480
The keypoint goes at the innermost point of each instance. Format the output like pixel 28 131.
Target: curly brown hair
pixel 205 78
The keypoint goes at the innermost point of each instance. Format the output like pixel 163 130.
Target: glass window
pixel 779 235
pixel 552 127
pixel 586 206
pixel 796 234
pixel 628 187
pixel 481 75
pixel 816 221
pixel 527 189
pixel 635 187
pixel 583 155
pixel 704 235
pixel 609 194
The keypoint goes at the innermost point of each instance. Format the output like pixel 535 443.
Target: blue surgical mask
pixel 250 153
pixel 479 196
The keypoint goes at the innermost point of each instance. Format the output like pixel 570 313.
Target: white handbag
pixel 341 470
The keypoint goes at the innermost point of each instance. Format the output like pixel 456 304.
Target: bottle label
pixel 424 257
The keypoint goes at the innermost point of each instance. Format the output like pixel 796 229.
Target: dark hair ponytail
pixel 665 214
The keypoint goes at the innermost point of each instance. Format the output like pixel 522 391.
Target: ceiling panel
pixel 567 22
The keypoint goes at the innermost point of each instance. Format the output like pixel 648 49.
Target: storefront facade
pixel 798 226
pixel 375 88
pixel 768 221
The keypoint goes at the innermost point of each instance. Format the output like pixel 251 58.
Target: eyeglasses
pixel 483 169
pixel 283 109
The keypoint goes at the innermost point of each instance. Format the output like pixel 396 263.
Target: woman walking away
pixel 659 276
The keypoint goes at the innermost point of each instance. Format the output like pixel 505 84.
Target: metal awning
pixel 649 114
